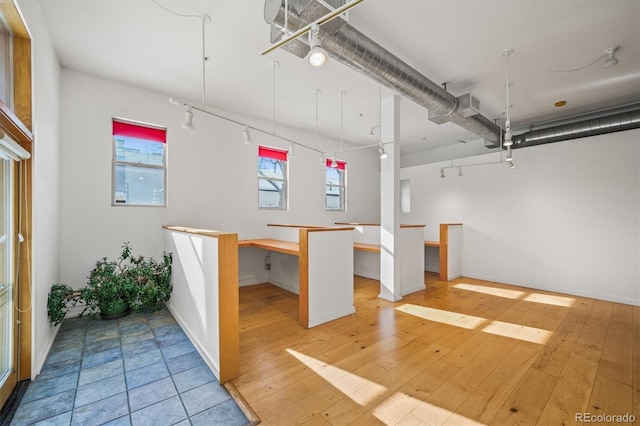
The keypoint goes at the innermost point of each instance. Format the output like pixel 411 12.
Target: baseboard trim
pixel 242 403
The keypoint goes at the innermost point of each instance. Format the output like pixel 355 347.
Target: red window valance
pixel 273 153
pixel 138 131
pixel 342 165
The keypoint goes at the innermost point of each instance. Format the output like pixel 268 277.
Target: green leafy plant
pixel 142 283
pixel 59 297
pixel 150 282
pixel 130 281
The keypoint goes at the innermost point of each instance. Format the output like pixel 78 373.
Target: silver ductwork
pixel 349 46
pixel 614 122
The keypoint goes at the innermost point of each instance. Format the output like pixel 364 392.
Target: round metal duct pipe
pixel 347 45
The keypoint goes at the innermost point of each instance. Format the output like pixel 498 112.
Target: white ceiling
pixel 455 41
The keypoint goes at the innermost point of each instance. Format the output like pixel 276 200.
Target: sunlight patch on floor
pixel 500 328
pixel 360 390
pixel 517 331
pixel 494 291
pixel 445 317
pixel 402 409
pixel 550 299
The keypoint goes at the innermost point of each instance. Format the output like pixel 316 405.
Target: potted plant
pixel 114 287
pixel 60 296
pixel 150 282
pixel 130 282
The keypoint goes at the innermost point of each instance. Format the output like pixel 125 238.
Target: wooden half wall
pixel 205 297
pixel 450 251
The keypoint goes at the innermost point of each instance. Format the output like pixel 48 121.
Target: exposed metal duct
pixel 615 122
pixel 349 46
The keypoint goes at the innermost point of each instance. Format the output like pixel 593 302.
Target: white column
pixel 390 200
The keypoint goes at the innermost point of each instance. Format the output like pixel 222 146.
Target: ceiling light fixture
pixel 246 135
pixel 507 123
pixel 188 118
pixel 383 153
pixel 317 55
pixel 611 60
pixel 320 21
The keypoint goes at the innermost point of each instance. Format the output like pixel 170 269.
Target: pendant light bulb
pixel 383 153
pixel 507 134
pixel 511 165
pixel 317 55
pixel 188 119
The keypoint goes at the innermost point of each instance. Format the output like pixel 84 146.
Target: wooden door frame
pixel 17 123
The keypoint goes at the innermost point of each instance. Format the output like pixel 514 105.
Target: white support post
pixel 390 279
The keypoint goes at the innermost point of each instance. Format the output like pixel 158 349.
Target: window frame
pixel 282 156
pixel 158 132
pixel 342 165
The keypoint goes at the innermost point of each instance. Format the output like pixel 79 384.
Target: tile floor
pixel 138 370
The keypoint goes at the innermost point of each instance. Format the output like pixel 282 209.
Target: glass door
pixel 7 331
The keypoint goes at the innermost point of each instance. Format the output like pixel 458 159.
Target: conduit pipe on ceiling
pixel 615 122
pixel 352 48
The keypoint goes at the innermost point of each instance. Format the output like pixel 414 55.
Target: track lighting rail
pixel 322 20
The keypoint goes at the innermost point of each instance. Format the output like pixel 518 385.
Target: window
pixel 335 185
pixel 272 178
pixel 139 164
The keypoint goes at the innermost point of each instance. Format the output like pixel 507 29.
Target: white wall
pixel 46 96
pixel 567 219
pixel 212 177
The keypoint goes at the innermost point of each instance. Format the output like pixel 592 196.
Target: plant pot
pixel 118 311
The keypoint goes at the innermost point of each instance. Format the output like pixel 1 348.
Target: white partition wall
pixel 410 254
pixel 283 232
pixel 367 263
pixel 203 300
pixel 326 275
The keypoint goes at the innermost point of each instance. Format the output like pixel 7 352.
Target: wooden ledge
pixel 432 243
pixel 284 225
pixel 373 248
pixel 197 231
pixel 331 228
pixel 312 228
pixel 377 224
pixel 281 246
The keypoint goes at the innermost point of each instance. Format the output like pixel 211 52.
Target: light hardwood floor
pixel 462 352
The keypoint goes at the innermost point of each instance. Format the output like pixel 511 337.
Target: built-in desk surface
pixel 374 248
pixel 281 246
